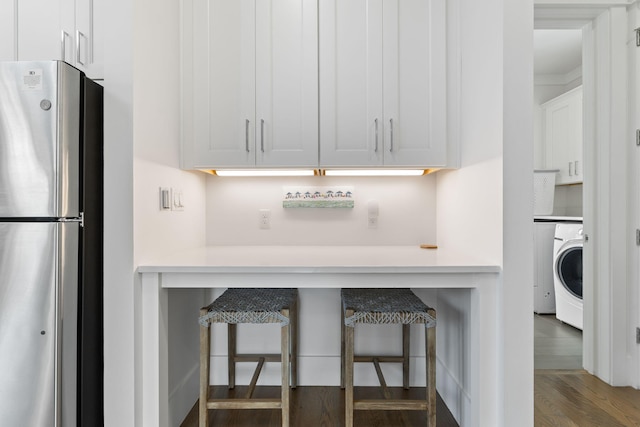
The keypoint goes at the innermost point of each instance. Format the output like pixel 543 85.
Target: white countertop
pixel 317 259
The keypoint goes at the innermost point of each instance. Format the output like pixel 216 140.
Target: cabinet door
pixel 286 83
pixel 219 77
pixel 383 83
pixel 351 115
pixel 40 30
pixel 563 136
pixel 7 30
pixel 414 82
pixel 88 35
pixel 577 142
pixel 557 132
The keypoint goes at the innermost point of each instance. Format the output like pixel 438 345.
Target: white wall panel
pixel 406 212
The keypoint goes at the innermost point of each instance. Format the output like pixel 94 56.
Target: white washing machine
pixel 567 273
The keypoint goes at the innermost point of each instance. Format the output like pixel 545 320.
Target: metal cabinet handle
pixel 78 56
pixel 391 134
pixel 375 149
pixel 575 167
pixel 570 168
pixel 262 135
pixel 246 135
pixel 63 44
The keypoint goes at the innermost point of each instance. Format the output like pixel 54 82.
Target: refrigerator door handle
pixel 79 220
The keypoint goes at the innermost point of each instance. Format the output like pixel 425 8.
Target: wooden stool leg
pixel 285 390
pixel 342 338
pixel 349 333
pixel 205 346
pixel 431 374
pixel 294 344
pixel 406 345
pixel 232 329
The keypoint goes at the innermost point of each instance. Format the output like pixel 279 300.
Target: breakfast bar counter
pixel 463 289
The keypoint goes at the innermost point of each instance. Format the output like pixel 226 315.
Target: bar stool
pixel 251 305
pixel 381 306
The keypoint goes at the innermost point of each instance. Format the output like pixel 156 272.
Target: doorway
pixel 558 148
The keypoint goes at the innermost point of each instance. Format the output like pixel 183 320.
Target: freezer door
pixel 38 323
pixel 39 139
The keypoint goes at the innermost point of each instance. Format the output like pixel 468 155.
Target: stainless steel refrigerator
pixel 51 226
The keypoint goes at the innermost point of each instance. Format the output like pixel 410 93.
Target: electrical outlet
pixel 264 216
pixel 372 213
pixel 637 335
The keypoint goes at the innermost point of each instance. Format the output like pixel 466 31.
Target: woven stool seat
pixel 378 306
pixel 384 306
pixel 250 305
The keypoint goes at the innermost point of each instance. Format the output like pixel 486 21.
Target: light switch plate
pixel 165 199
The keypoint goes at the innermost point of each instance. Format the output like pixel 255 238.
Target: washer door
pixel 569 268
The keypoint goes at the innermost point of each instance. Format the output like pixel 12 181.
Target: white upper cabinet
pixel 88 33
pixel 7 30
pixel 53 29
pixel 250 83
pixel 562 122
pixel 383 83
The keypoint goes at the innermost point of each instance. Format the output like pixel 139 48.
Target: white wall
pixel 567 200
pixel 119 369
pixel 469 200
pixel 141 154
pixel 486 206
pixel 516 327
pixel 157 138
pixel 156 131
pixel 406 212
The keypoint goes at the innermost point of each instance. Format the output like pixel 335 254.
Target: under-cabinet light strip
pixel 374 172
pixel 265 172
pixel 321 172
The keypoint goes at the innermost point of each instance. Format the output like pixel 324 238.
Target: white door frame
pixel 634 124
pixel 609 267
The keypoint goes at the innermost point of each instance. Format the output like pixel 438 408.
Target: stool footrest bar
pixel 244 404
pixel 381 359
pixel 257 357
pixel 393 404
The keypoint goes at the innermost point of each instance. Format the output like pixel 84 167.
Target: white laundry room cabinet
pixel 562 130
pixel 249 84
pixel 383 99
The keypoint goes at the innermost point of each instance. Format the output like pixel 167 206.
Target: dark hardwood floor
pixel 556 344
pixel 578 399
pixel 320 407
pixel 564 395
pixel 567 395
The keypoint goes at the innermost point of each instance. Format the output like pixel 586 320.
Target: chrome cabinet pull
pixel 78 56
pixel 391 134
pixel 375 149
pixel 575 167
pixel 262 135
pixel 63 44
pixel 246 135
